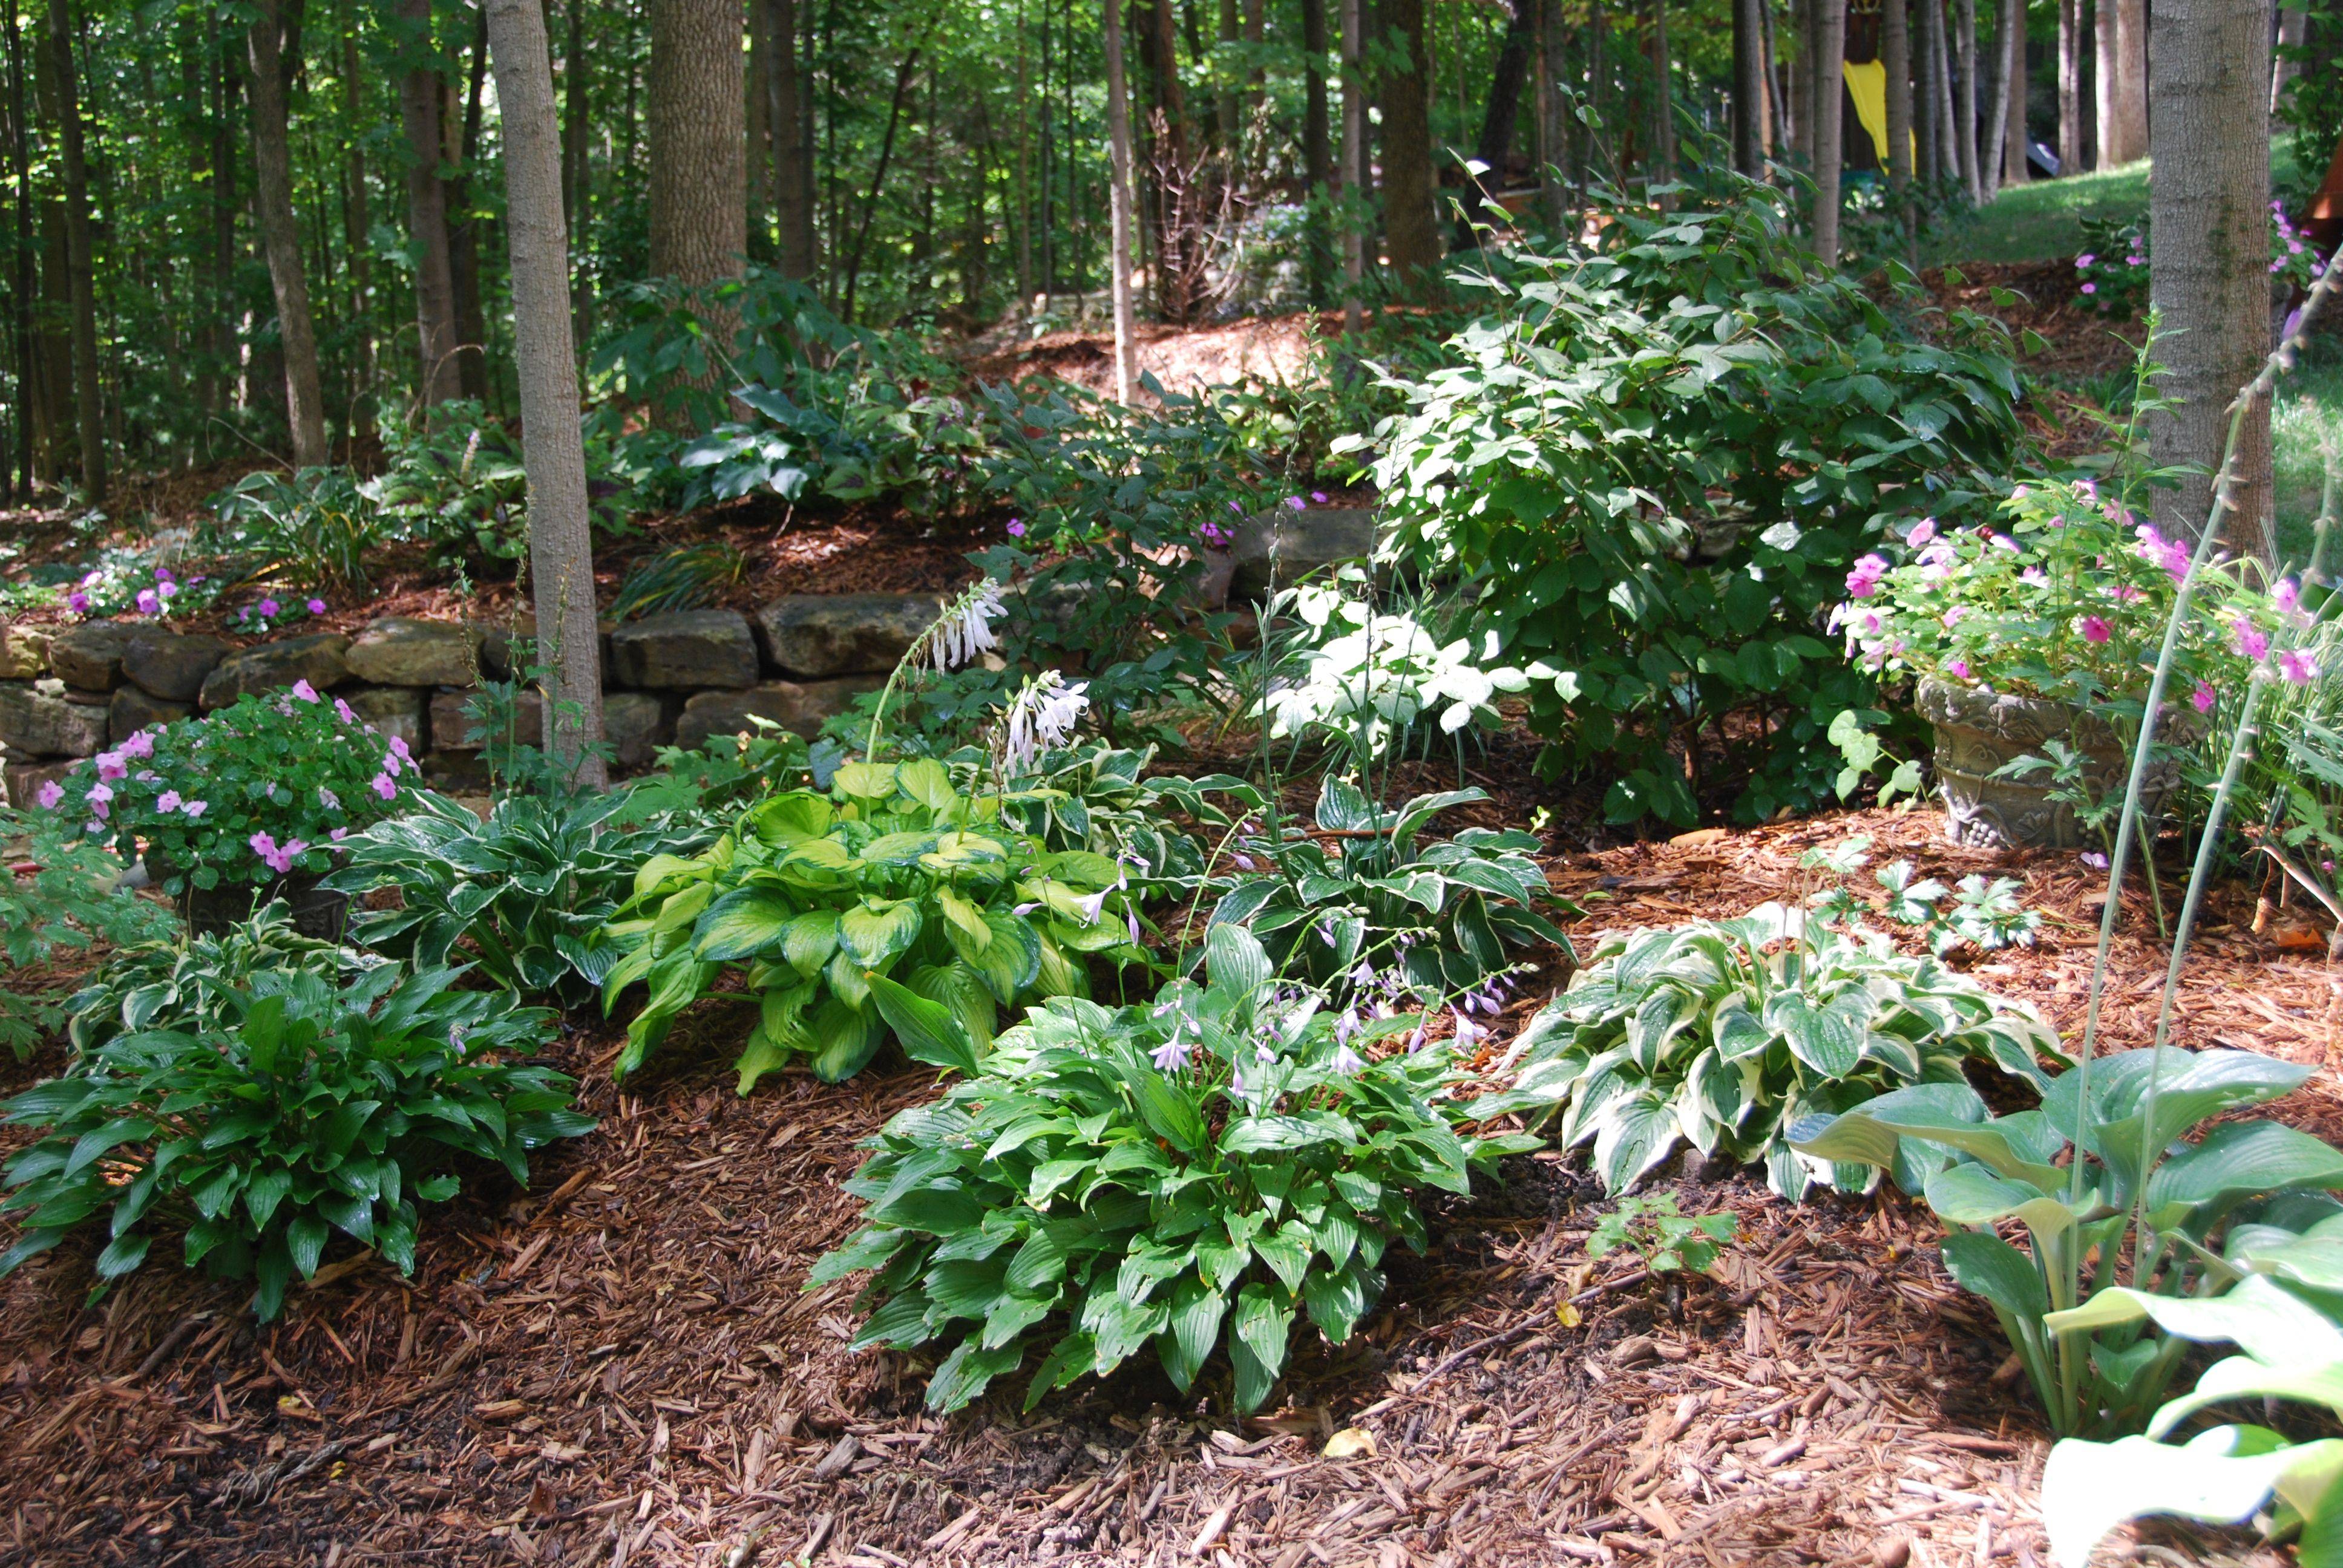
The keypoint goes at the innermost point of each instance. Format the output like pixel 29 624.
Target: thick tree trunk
pixel 2104 55
pixel 1498 119
pixel 1965 97
pixel 560 547
pixel 1118 132
pixel 80 266
pixel 1317 150
pixel 2070 89
pixel 2208 223
pixel 280 238
pixel 793 164
pixel 438 378
pixel 2131 77
pixel 2013 138
pixel 1993 129
pixel 1830 50
pixel 1411 234
pixel 698 178
pixel 1748 87
pixel 1895 58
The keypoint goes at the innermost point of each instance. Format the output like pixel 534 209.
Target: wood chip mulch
pixel 622 1367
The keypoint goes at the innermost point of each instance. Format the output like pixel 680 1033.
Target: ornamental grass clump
pixel 258 791
pixel 1195 1173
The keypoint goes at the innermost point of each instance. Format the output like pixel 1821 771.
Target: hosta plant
pixel 1202 1172
pixel 307 1107
pixel 1360 897
pixel 2282 1317
pixel 194 983
pixel 2155 1225
pixel 1725 1032
pixel 522 892
pixel 897 871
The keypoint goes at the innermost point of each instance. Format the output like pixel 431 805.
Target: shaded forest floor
pixel 620 1366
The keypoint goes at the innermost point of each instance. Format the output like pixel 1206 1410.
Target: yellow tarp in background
pixel 1867 84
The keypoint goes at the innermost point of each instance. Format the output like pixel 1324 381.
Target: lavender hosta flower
pixel 1467 1032
pixel 1346 1061
pixel 967 628
pixel 1042 715
pixel 1173 1054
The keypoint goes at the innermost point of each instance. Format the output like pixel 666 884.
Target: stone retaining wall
pixel 679 678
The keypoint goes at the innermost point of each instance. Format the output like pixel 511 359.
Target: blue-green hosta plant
pixel 1361 900
pixel 2159 1230
pixel 307 1107
pixel 2282 1315
pixel 1725 1032
pixel 897 871
pixel 522 892
pixel 1200 1172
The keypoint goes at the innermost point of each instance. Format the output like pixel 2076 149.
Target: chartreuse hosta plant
pixel 1361 902
pixel 2282 1315
pixel 898 871
pixel 2161 1220
pixel 307 1106
pixel 1200 1172
pixel 1725 1032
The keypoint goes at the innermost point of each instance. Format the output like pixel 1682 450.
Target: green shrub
pixel 898 871
pixel 1725 1032
pixel 2159 1222
pixel 307 1107
pixel 1658 461
pixel 57 895
pixel 1195 1173
pixel 315 525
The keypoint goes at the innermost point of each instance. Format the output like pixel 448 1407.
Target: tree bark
pixel 699 136
pixel 1801 73
pixel 280 238
pixel 792 157
pixel 1349 197
pixel 1118 131
pixel 1830 50
pixel 1926 22
pixel 2208 223
pixel 2107 139
pixel 1411 234
pixel 2070 89
pixel 757 113
pixel 1993 129
pixel 2014 139
pixel 1317 150
pixel 1748 87
pixel 464 223
pixel 1777 115
pixel 437 377
pixel 20 291
pixel 1664 106
pixel 2131 78
pixel 1965 98
pixel 358 225
pixel 1896 59
pixel 553 451
pixel 1498 119
pixel 80 266
pixel 2292 21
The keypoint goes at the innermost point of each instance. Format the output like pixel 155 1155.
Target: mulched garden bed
pixel 621 1366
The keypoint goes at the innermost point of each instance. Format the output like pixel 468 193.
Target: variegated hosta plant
pixel 895 872
pixel 1203 1171
pixel 1724 1032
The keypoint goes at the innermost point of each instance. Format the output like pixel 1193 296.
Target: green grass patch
pixel 2308 405
pixel 2043 219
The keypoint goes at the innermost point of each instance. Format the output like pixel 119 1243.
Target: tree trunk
pixel 1949 166
pixel 792 167
pixel 1801 71
pixel 20 276
pixel 553 451
pixel 1993 129
pixel 573 125
pixel 1925 21
pixel 1830 50
pixel 280 238
pixel 358 225
pixel 80 267
pixel 2131 78
pixel 437 377
pixel 757 113
pixel 2014 139
pixel 1411 234
pixel 1748 87
pixel 1118 132
pixel 2104 55
pixel 1965 97
pixel 698 178
pixel 1663 104
pixel 2070 89
pixel 905 74
pixel 1317 151
pixel 1497 122
pixel 2209 222
pixel 2292 21
pixel 1895 58
pixel 1778 111
pixel 463 225
pixel 1349 197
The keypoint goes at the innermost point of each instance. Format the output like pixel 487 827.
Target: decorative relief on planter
pixel 1980 731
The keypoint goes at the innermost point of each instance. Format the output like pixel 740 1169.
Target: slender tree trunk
pixel 1923 14
pixel 1965 97
pixel 2131 77
pixel 1993 129
pixel 698 177
pixel 757 118
pixel 1895 58
pixel 1022 197
pixel 357 225
pixel 1118 134
pixel 280 238
pixel 2070 89
pixel 1830 50
pixel 438 378
pixel 905 74
pixel 21 280
pixel 1317 152
pixel 2105 56
pixel 573 124
pixel 1802 81
pixel 80 267
pixel 2208 221
pixel 1347 190
pixel 793 171
pixel 1663 104
pixel 2292 20
pixel 1748 87
pixel 1497 122
pixel 2015 137
pixel 1950 168
pixel 1411 235
pixel 464 224
pixel 1777 111
pixel 553 450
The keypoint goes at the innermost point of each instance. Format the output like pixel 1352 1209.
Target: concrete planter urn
pixel 208 912
pixel 1979 730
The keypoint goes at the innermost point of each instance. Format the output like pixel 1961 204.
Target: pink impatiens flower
pixel 148 603
pixel 304 692
pixel 1864 580
pixel 342 711
pixel 2296 667
pixel 168 800
pixel 1922 532
pixel 2203 697
pixel 51 793
pixel 2251 640
pixel 139 745
pixel 2094 629
pixel 385 787
pixel 317 606
pixel 194 808
pixel 1016 528
pixel 110 765
pixel 1958 668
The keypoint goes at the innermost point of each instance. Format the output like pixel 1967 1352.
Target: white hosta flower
pixel 1043 715
pixel 966 628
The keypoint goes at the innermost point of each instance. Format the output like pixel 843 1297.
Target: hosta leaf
pixel 808 939
pixel 1337 1298
pixel 1197 1309
pixel 875 934
pixel 1257 1341
pixel 742 924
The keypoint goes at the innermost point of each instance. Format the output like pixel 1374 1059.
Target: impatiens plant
pixel 2111 269
pixel 897 872
pixel 1725 1032
pixel 256 791
pixel 1204 1170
